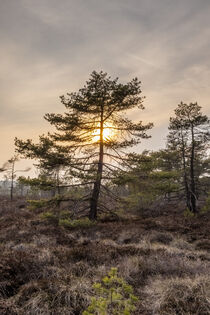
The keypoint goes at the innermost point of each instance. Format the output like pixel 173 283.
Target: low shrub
pixel 55 217
pixel 206 207
pixel 49 216
pixel 184 298
pixel 188 213
pixel 64 214
pixel 179 296
pixel 163 238
pixel 68 223
pixel 34 204
pixel 112 296
pixel 203 245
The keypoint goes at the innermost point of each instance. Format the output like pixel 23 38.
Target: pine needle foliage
pixel 94 129
pixel 113 296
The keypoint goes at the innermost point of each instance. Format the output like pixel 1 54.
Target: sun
pixel 108 133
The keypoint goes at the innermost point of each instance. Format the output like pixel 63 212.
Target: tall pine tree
pixel 93 131
pixel 189 135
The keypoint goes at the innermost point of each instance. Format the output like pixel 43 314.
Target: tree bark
pixel 97 184
pixel 192 175
pixel 186 184
pixel 58 181
pixel 12 180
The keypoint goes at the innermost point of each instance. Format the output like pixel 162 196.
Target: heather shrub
pixel 178 296
pixel 163 238
pixel 186 298
pixel 83 222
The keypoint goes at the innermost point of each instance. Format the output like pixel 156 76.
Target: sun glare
pixel 108 134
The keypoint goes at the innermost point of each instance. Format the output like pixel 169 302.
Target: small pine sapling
pixel 112 296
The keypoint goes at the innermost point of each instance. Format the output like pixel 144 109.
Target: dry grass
pixel 178 296
pixel 45 269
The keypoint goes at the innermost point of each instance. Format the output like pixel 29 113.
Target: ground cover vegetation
pixel 102 229
pixel 48 268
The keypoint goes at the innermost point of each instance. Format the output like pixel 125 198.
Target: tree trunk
pixel 192 175
pixel 12 180
pixel 187 191
pixel 58 181
pixel 97 184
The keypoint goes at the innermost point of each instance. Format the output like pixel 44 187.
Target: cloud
pixel 49 47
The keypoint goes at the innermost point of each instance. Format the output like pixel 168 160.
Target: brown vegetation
pixel 47 269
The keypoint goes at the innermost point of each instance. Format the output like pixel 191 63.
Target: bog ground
pixel 47 269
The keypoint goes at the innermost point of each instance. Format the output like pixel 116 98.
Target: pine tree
pixel 94 127
pixel 189 136
pixel 11 172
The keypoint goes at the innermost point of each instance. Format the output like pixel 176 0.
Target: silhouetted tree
pixel 189 136
pixel 51 158
pixel 149 177
pixel 82 136
pixel 9 168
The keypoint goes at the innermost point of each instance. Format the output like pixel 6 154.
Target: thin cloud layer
pixel 50 47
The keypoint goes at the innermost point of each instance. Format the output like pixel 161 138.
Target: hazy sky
pixel 49 47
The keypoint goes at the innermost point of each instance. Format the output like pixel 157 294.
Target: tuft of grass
pixel 49 270
pixel 84 222
pixel 163 238
pixel 188 214
pixel 179 296
pixel 203 245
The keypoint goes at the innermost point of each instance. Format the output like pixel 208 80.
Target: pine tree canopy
pixel 94 124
